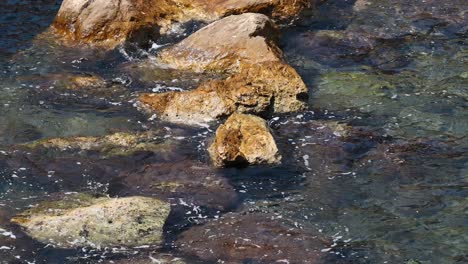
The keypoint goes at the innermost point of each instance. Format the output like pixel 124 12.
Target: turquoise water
pixel 391 188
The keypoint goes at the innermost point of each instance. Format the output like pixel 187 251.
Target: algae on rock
pixel 83 220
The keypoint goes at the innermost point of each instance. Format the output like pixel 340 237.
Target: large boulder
pixel 278 9
pixel 108 23
pixel 83 220
pixel 221 45
pixel 244 139
pixel 261 89
pixel 242 45
pixel 252 238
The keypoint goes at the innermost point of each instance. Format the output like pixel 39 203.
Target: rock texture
pixel 221 45
pixel 120 143
pixel 253 238
pixel 260 82
pixel 108 23
pixel 261 89
pixel 82 220
pixel 244 139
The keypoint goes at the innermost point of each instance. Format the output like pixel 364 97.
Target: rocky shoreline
pixel 259 83
pixel 160 189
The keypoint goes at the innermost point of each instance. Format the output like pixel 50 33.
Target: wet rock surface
pixel 220 46
pixel 261 89
pixel 235 238
pixel 82 220
pixel 109 23
pixel 121 143
pixel 261 83
pixel 244 140
pixel 378 166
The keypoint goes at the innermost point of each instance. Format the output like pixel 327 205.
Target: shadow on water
pixel 21 21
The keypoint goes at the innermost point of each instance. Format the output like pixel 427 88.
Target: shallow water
pixel 392 188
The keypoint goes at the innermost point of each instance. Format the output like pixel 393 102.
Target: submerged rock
pixel 77 82
pixel 186 184
pixel 151 258
pixel 237 238
pixel 83 220
pixel 120 143
pixel 397 18
pixel 261 89
pixel 108 23
pixel 244 139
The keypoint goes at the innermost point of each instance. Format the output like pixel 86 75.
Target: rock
pixel 323 147
pixel 279 9
pixel 183 183
pixel 397 18
pixel 120 143
pixel 260 82
pixel 12 241
pixel 150 258
pixel 244 139
pixel 67 81
pixel 18 131
pixel 76 82
pixel 331 47
pixel 82 220
pixel 261 89
pixel 108 23
pixel 253 238
pixel 221 45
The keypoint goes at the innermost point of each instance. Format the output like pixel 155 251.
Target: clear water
pixel 394 188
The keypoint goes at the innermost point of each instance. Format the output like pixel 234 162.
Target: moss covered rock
pixel 83 220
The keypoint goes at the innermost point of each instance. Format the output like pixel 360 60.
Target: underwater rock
pixel 13 242
pixel 236 238
pixel 261 89
pixel 67 81
pixel 77 82
pixel 244 139
pixel 316 145
pixel 397 18
pixel 82 220
pixel 186 184
pixel 150 258
pixel 108 23
pixel 120 143
pixel 336 43
pixel 17 131
pixel 221 45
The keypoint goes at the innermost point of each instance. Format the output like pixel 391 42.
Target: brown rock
pixel 236 238
pixel 261 84
pixel 221 45
pixel 281 9
pixel 261 89
pixel 108 23
pixel 244 139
